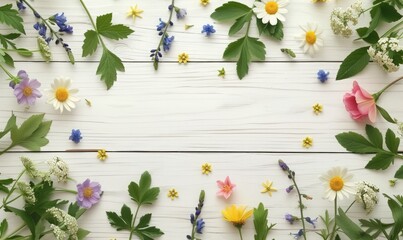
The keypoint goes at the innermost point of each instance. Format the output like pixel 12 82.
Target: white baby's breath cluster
pixel 30 168
pixel 340 19
pixel 26 192
pixel 382 51
pixel 63 224
pixel 367 194
pixel 59 169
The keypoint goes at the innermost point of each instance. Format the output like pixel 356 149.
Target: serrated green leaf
pixel 11 17
pixel 11 123
pixel 371 38
pixel 260 222
pixel 399 173
pixel 239 23
pixel 145 181
pixel 37 139
pixel 354 63
pixel 144 221
pixel 142 193
pixel 375 136
pixel 24 216
pixel 108 67
pixel 397 213
pixel 120 222
pixel 356 143
pixel 352 230
pixel 27 128
pixel 116 32
pixel 270 30
pixel 385 114
pixel 127 215
pixel 230 11
pixel 91 42
pixel 389 13
pixel 103 21
pixel 148 233
pixel 381 161
pixel 392 142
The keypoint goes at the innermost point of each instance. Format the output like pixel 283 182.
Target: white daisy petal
pixel 60 96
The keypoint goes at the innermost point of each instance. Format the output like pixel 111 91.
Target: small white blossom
pixel 387 53
pixel 339 19
pixel 367 194
pixel 30 168
pixel 27 192
pixel 58 232
pixel 64 221
pixel 59 169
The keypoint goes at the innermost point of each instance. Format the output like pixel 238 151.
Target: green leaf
pixel 374 226
pixel 230 11
pixel 389 13
pixel 11 123
pixel 371 38
pixel 288 51
pixel 103 21
pixel 247 49
pixel 24 216
pixel 142 193
pixel 381 161
pixel 376 16
pixel 122 222
pixel 354 63
pixel 375 136
pixel 399 173
pixel 3 228
pixel 392 142
pixel 82 233
pixel 8 60
pixel 108 67
pixel 356 143
pixel 24 52
pixel 240 22
pixel 144 221
pixel 91 42
pixel 260 222
pixel 385 114
pixel 352 230
pixel 75 210
pixel 148 233
pixel 11 18
pixel 4 183
pixel 397 213
pixel 270 30
pixel 106 29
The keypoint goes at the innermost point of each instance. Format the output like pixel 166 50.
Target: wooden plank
pixel 182 171
pixel 200 48
pixel 190 108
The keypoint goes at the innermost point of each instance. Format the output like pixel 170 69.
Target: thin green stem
pixel 350 206
pixel 8 148
pixel 92 22
pixel 378 94
pixel 11 76
pixel 375 5
pixel 193 230
pixel 392 29
pixel 14 232
pixel 335 220
pixel 240 232
pixel 301 210
pixel 247 28
pixel 12 200
pixel 134 221
pixel 399 156
pixel 65 190
pixel 12 188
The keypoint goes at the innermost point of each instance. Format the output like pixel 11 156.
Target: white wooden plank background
pixel 171 121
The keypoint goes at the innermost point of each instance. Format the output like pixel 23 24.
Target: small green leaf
pixel 376 16
pixel 399 173
pixel 144 221
pixel 230 11
pixel 104 21
pixel 3 228
pixel 4 183
pixel 397 213
pixel 389 13
pixel 240 22
pixel 127 215
pixel 352 230
pixel 381 161
pixel 122 222
pixel 142 193
pixel 392 142
pixel 356 143
pixel 11 123
pixel 148 233
pixel 82 233
pixel 260 222
pixel 116 32
pixel 24 216
pixel 354 63
pixel 372 38
pixel 375 136
pixel 91 42
pixel 288 51
pixel 11 17
pixel 108 67
pixel 385 114
pixel 270 30
pixel 8 60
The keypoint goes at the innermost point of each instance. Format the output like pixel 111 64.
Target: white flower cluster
pixel 339 19
pixel 30 168
pixel 367 194
pixel 59 169
pixel 382 51
pixel 58 232
pixel 64 224
pixel 27 192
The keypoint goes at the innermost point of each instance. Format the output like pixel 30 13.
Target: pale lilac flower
pixel 88 194
pixel 27 90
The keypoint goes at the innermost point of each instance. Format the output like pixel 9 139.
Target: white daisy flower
pixel 311 38
pixel 270 11
pixel 61 95
pixel 337 183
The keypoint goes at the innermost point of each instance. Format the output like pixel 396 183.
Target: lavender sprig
pixel 197 224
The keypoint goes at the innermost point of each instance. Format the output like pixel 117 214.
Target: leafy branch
pixel 143 194
pixel 109 63
pixel 11 17
pixel 260 222
pixel 356 143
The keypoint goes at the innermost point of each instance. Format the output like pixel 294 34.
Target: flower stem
pixel 240 232
pixel 11 76
pixel 300 204
pixel 134 220
pixel 350 206
pixel 335 221
pixel 378 94
pixel 65 190
pixel 92 22
pixel 14 232
pixel 375 5
pixel 12 189
pixel 394 28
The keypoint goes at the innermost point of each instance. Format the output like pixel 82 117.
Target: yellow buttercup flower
pixel 317 108
pixel 183 58
pixel 134 12
pixel 268 188
pixel 206 168
pixel 204 2
pixel 307 142
pixel 172 194
pixel 102 155
pixel 236 215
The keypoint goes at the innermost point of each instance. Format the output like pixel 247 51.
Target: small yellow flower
pixel 134 12
pixel 204 2
pixel 206 168
pixel 172 194
pixel 236 215
pixel 268 188
pixel 221 72
pixel 102 155
pixel 392 182
pixel 183 58
pixel 307 142
pixel 317 108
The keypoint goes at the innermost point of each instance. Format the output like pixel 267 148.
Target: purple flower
pixel 283 166
pixel 290 218
pixel 208 29
pixel 75 135
pixel 199 225
pixel 180 13
pixel 298 234
pixel 41 28
pixel 61 20
pixel 161 25
pixel 167 43
pixel 289 189
pixel 20 5
pixel 192 218
pixel 27 90
pixel 311 221
pixel 322 76
pixel 88 194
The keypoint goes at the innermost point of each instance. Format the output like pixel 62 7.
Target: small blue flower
pixel 289 189
pixel 290 218
pixel 208 29
pixel 298 234
pixel 167 43
pixel 199 225
pixel 161 25
pixel 311 221
pixel 75 135
pixel 20 5
pixel 322 76
pixel 41 28
pixel 61 20
pixel 192 218
pixel 283 165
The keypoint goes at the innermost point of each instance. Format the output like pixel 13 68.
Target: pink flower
pixel 359 103
pixel 89 193
pixel 27 90
pixel 225 188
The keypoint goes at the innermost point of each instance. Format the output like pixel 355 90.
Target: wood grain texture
pixel 182 171
pixel 200 48
pixel 190 108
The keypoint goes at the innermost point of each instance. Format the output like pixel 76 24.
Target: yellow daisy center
pixel 271 7
pixel 61 94
pixel 87 192
pixel 310 37
pixel 27 91
pixel 336 183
